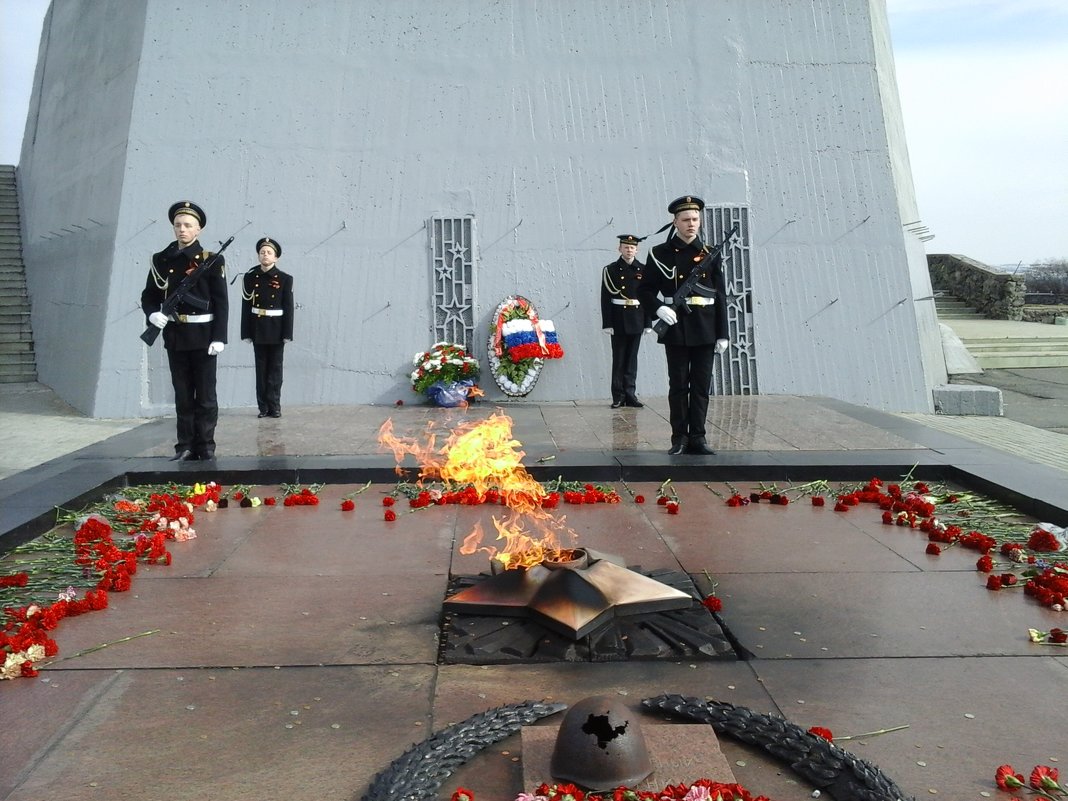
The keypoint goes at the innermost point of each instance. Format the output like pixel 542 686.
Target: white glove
pixel 158 319
pixel 667 314
pixel 609 330
pixel 215 348
pixel 721 345
pixel 247 339
pixel 648 331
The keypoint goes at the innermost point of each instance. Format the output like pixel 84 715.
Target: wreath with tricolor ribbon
pixel 519 343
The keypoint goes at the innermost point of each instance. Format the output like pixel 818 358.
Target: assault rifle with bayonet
pixel 183 293
pixel 678 301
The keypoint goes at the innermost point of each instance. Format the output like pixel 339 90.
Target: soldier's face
pixel 628 252
pixel 186 229
pixel 267 257
pixel 687 223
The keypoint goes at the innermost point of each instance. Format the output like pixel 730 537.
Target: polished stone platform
pixel 295 651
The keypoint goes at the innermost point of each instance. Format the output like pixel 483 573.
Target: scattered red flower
pixel 15 580
pixel 388 501
pixel 348 505
pixel 390 516
pixel 933 550
pixel 985 564
pixel 1008 779
pixel 993 582
pixel 819 731
pixel 1042 540
pixel 713 604
pixel 1058 635
pixel 673 508
pixel 639 499
pixel 269 501
pixel 1045 778
pixel 817 500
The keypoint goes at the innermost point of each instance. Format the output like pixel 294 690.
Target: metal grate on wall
pixel 452 266
pixel 736 370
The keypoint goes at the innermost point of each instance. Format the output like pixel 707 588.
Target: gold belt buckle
pixel 181 318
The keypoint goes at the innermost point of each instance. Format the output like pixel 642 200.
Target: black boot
pixel 678 445
pixel 699 447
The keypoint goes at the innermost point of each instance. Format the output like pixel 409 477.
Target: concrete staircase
pixel 949 308
pixel 17 363
pixel 1004 343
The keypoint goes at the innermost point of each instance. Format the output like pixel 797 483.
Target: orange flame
pixel 485 456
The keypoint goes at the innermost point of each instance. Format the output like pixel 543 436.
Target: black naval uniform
pixel 690 343
pixel 267 319
pixel 186 338
pixel 623 313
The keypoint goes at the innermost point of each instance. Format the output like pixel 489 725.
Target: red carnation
pixel 1058 635
pixel 993 582
pixel 712 603
pixel 1007 778
pixel 985 564
pixel 348 505
pixel 269 501
pixel 1045 778
pixel 388 501
pixel 662 500
pixel 1042 540
pixel 238 496
pixel 639 499
pixel 819 731
pixel 390 515
pixel 840 506
pixel 673 508
pixel 462 794
pixel 933 550
pixel 817 500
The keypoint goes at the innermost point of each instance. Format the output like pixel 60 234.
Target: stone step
pixel 15 348
pixel 17 376
pixel 15 336
pixel 1022 359
pixel 13 299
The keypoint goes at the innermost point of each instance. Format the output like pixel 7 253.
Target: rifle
pixel 678 300
pixel 183 293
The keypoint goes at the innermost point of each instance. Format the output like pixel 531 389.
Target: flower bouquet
pixel 519 344
pixel 446 374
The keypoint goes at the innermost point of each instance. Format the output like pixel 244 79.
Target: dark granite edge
pixel 28 499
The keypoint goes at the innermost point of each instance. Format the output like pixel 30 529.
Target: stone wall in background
pixel 1044 314
pixel 998 295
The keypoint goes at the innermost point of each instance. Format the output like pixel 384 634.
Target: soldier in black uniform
pixel 267 322
pixel 193 336
pixel 624 319
pixel 692 340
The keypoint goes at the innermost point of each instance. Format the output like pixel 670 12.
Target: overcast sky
pixel 984 91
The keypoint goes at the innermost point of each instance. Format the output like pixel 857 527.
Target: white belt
pixel 626 302
pixel 195 318
pixel 267 312
pixel 693 301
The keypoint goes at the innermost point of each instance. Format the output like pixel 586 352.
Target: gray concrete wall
pixel 340 126
pixel 71 174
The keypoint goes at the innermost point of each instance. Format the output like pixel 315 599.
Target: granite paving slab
pixel 240 735
pixel 262 620
pixel 877 614
pixel 965 717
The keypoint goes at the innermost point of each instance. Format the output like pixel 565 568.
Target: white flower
pixel 35 653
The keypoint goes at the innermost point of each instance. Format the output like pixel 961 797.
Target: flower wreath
pixel 519 343
pixel 445 364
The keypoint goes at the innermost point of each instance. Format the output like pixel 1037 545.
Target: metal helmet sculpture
pixel 600 746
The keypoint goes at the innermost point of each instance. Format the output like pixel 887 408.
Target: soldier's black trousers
pixel 624 365
pixel 689 385
pixel 269 377
pixel 195 402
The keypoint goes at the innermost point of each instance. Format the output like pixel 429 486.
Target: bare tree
pixel 1047 282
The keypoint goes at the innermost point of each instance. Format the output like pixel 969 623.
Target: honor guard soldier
pixel 623 317
pixel 267 322
pixel 194 334
pixel 698 331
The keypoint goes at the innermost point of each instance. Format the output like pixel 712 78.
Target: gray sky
pixel 984 92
